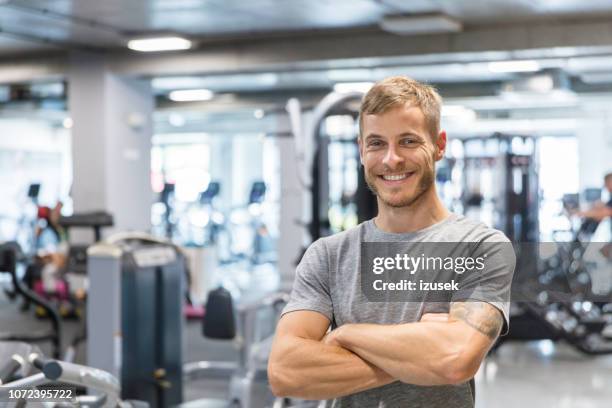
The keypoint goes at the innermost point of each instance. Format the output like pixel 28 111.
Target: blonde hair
pixel 399 90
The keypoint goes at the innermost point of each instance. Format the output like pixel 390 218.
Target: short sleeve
pixel 493 284
pixel 311 285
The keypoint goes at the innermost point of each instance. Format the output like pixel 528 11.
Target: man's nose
pixel 392 157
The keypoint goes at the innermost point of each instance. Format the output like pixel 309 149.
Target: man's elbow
pixel 459 376
pixel 460 370
pixel 454 364
pixel 280 380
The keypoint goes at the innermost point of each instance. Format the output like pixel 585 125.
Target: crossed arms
pixel 440 349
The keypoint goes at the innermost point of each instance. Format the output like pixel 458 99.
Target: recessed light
pixel 426 23
pixel 191 95
pixel 514 66
pixel 159 44
pixel 345 87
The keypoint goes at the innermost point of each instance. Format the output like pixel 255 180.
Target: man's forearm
pixel 417 353
pixel 597 213
pixel 309 369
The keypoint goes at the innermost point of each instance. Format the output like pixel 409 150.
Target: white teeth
pixel 396 177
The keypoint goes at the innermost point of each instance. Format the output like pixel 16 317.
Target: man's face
pixel 609 184
pixel 399 155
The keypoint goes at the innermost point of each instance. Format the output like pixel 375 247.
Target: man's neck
pixel 426 211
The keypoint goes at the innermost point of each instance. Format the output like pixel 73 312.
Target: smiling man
pixel 413 353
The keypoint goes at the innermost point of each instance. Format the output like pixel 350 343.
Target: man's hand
pixel 331 338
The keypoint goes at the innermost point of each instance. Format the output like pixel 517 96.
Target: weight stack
pixel 134 316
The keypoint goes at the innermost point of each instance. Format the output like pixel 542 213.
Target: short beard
pixel 426 182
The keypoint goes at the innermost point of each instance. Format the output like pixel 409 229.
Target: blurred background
pixel 226 131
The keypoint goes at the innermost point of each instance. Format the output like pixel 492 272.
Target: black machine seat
pixel 96 220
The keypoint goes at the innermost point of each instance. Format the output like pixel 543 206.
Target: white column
pixel 111 142
pixel 292 201
pixel 594 148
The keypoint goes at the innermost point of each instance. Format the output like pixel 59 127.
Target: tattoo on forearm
pixel 479 315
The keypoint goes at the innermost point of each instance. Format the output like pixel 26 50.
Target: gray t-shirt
pixel 327 281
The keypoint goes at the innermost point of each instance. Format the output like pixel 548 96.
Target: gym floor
pixel 541 373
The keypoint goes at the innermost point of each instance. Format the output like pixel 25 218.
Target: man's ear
pixel 360 145
pixel 440 145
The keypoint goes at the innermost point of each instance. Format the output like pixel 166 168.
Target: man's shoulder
pixel 464 229
pixel 334 247
pixel 340 239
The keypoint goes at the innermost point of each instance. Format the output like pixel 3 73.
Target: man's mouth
pixel 396 177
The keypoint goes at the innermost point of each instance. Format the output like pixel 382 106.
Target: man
pixel 594 215
pixel 600 210
pixel 389 354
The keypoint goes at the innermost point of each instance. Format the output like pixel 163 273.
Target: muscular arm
pixel 303 366
pixel 429 352
pixel 598 212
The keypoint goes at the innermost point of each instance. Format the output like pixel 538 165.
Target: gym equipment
pixel 249 237
pixel 135 324
pixel 95 220
pixel 581 323
pixel 61 277
pixel 219 320
pixel 571 202
pixel 167 198
pixel 499 176
pixel 18 372
pixel 23 228
pixel 253 344
pixel 34 192
pixel 345 203
pixel 263 245
pixel 562 295
pixel 592 195
pixel 30 226
pixel 10 253
pixel 134 316
pixel 214 218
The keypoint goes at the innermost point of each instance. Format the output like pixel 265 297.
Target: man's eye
pixel 408 141
pixel 375 143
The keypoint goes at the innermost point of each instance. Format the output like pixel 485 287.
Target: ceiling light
pixel 259 113
pixel 514 66
pixel 159 44
pixel 67 123
pixel 419 24
pixel 191 95
pixel 345 87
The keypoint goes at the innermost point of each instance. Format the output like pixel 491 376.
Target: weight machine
pixel 332 205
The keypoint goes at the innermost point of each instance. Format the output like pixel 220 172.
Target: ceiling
pixel 41 25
